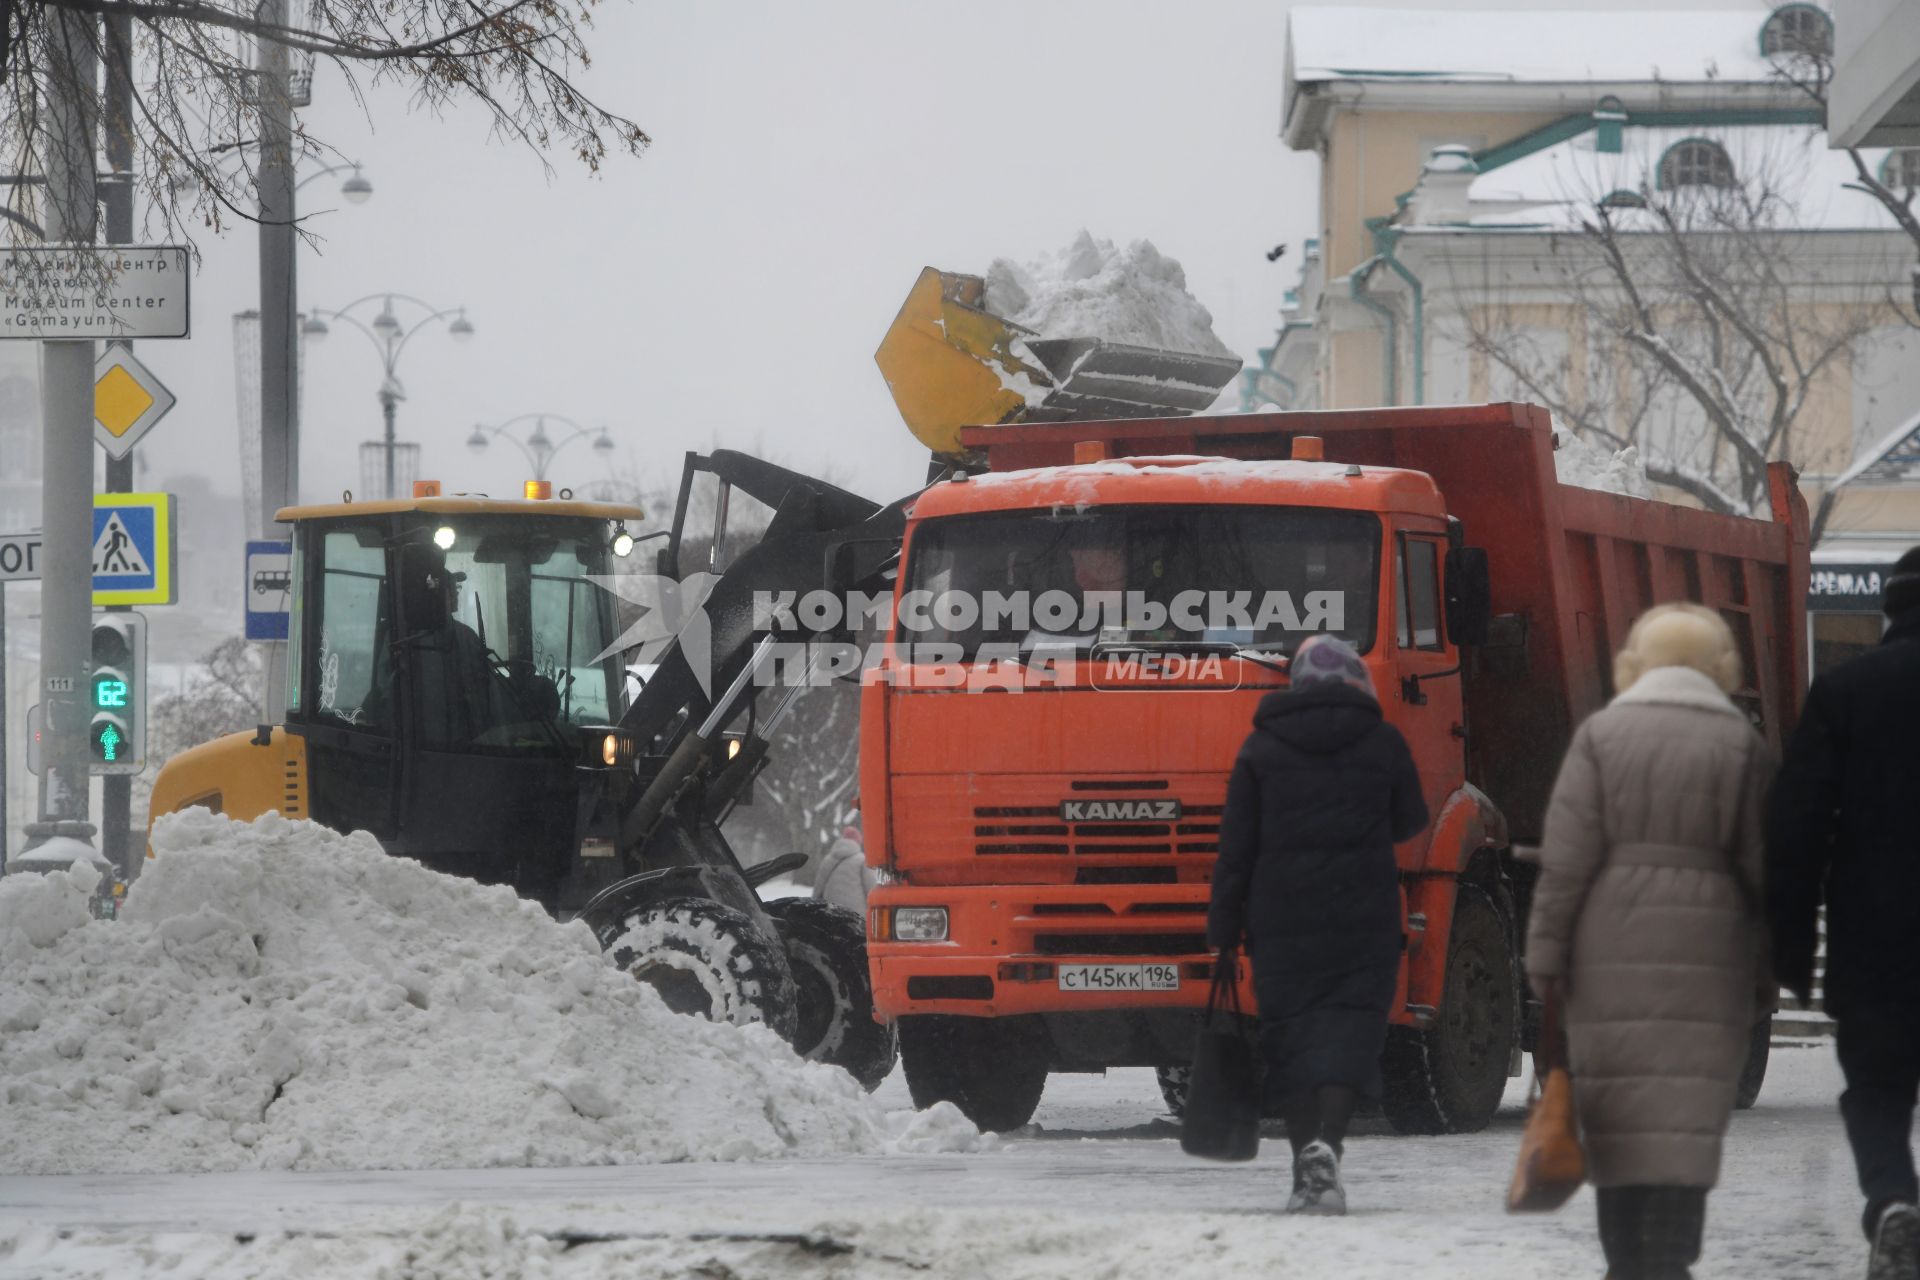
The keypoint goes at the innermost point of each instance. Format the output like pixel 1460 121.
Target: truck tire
pixel 993 1069
pixel 827 952
pixel 1449 1077
pixel 1754 1074
pixel 1173 1088
pixel 706 959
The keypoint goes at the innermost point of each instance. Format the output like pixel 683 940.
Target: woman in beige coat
pixel 1646 919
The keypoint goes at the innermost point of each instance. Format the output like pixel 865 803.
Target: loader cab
pixel 446 657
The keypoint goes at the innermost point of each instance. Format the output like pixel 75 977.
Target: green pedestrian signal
pixel 108 741
pixel 117 734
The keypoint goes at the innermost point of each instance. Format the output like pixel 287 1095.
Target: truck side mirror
pixel 1469 595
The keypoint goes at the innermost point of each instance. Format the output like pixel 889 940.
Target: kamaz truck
pixel 1043 787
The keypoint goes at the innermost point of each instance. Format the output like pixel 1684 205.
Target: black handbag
pixel 1222 1120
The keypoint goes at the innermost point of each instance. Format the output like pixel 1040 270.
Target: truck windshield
pixel 1247 577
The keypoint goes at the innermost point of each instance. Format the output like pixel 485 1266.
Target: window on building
pixel 1901 169
pixel 1797 28
pixel 1696 162
pixel 1623 199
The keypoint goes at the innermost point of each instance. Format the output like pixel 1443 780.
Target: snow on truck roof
pixel 1558 46
pixel 1186 478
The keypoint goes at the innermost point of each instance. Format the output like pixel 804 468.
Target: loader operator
pixel 463 697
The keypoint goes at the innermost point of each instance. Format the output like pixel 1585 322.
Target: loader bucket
pixel 950 363
pixel 1094 379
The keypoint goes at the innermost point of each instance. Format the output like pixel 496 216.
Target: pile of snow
pixel 277 995
pixel 1594 466
pixel 1091 289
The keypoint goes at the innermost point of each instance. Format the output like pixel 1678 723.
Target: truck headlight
pixel 919 924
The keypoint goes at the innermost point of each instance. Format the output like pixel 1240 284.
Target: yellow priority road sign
pixel 127 401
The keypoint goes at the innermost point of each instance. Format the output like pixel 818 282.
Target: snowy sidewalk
pixel 1102 1191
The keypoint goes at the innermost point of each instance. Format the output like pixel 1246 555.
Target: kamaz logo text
pixel 1119 810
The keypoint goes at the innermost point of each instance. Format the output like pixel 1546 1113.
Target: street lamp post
pixel 389 338
pixel 539 448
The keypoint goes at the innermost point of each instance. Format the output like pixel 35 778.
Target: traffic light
pixel 117 694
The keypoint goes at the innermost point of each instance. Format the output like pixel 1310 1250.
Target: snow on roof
pixel 1357 42
pixel 1557 186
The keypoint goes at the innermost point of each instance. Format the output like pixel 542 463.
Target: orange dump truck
pixel 1043 770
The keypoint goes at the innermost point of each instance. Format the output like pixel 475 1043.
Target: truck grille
pixel 1120 944
pixel 1038 829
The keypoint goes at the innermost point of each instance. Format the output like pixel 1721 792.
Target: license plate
pixel 1119 977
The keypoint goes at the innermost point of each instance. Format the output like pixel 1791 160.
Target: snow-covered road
pixel 1101 1190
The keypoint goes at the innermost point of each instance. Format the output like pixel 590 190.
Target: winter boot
pixel 1316 1181
pixel 1896 1244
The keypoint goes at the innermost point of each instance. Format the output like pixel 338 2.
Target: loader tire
pixel 1754 1074
pixel 707 960
pixel 827 952
pixel 993 1069
pixel 1449 1077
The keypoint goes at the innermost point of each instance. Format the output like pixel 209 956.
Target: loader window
pixel 350 674
pixel 513 662
pixel 1259 577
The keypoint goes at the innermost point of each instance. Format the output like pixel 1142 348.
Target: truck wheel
pixel 993 1069
pixel 1754 1074
pixel 1448 1078
pixel 706 959
pixel 827 951
pixel 1173 1088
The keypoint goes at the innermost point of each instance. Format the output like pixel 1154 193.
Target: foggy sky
pixel 730 286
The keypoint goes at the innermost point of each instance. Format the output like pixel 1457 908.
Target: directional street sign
pixel 127 401
pixel 133 549
pixel 269 589
pixel 20 557
pixel 90 291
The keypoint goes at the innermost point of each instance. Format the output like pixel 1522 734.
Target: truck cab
pixel 1067 830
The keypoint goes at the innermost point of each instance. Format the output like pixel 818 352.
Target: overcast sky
pixel 730 286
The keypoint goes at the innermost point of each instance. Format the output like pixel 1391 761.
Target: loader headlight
pixel 607 746
pixel 918 924
pixel 622 542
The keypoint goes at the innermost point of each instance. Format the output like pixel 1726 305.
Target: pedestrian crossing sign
pixel 133 546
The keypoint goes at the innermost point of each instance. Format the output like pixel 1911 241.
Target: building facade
pixel 1632 218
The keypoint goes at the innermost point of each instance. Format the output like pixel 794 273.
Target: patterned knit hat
pixel 1329 659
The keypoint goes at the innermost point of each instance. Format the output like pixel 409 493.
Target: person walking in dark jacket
pixel 1321 792
pixel 1842 820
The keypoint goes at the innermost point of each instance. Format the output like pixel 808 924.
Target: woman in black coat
pixel 1321 792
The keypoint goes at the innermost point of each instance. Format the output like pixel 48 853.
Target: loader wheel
pixel 827 951
pixel 993 1069
pixel 1754 1074
pixel 707 960
pixel 1449 1077
pixel 1173 1088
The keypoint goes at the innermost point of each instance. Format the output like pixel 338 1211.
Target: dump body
pixel 1031 816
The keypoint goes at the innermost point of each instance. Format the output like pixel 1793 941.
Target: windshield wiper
pixel 1272 662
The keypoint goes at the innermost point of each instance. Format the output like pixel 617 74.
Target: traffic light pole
pixel 66 144
pixel 116 790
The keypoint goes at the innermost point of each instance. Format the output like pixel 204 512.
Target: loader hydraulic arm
pixel 682 708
